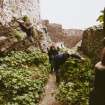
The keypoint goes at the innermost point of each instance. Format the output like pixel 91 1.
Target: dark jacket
pixel 61 58
pixel 52 53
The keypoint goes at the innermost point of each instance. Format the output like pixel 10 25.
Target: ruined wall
pixel 92 43
pixel 19 8
pixel 71 32
pixel 58 34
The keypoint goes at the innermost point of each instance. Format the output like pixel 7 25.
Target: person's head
pixel 52 47
pixel 103 57
pixel 66 55
pixel 58 48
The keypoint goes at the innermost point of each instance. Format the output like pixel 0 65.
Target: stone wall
pixel 92 42
pixel 71 32
pixel 58 34
pixel 19 8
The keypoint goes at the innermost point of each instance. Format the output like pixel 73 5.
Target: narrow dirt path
pixel 50 88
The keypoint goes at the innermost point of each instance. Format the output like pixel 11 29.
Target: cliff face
pixel 92 43
pixel 19 8
pixel 8 35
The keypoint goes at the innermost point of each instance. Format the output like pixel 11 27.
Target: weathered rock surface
pixel 15 39
pixel 19 8
pixel 72 32
pixel 92 42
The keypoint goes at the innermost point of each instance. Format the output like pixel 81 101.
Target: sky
pixel 72 13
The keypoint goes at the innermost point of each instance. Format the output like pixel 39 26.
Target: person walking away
pixel 97 96
pixel 51 53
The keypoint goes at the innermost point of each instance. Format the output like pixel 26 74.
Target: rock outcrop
pixel 19 8
pixel 92 42
pixel 13 38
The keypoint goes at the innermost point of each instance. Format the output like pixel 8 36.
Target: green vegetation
pixel 25 18
pixel 22 77
pixel 74 86
pixel 19 35
pixel 101 18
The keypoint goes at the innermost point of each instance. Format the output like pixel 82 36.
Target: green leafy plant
pixel 22 77
pixel 101 17
pixel 75 80
pixel 25 18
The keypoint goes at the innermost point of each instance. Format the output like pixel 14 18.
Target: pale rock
pixel 19 8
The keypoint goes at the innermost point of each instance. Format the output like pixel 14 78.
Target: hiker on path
pixel 60 60
pixel 97 96
pixel 52 51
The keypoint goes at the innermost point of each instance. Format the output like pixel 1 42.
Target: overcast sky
pixel 72 13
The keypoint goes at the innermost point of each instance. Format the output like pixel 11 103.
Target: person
pixel 60 60
pixel 27 27
pixel 51 53
pixel 97 96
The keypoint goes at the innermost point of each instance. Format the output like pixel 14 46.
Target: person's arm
pixel 76 56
